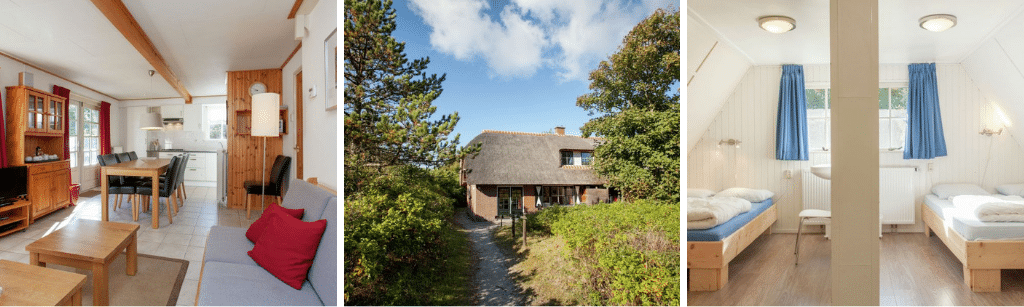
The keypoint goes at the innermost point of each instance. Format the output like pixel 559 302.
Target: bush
pixel 628 251
pixel 397 238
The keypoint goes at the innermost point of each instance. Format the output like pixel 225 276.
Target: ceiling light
pixel 938 22
pixel 777 24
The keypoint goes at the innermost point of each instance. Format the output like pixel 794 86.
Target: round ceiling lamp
pixel 938 22
pixel 777 24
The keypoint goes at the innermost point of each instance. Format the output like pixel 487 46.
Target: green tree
pixel 639 111
pixel 388 100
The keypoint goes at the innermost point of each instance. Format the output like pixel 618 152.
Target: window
pixel 215 121
pixel 90 147
pixel 892 118
pixel 557 195
pixel 73 132
pixel 566 158
pixel 587 157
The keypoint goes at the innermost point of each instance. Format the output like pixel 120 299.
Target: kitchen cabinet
pixel 172 111
pixel 201 169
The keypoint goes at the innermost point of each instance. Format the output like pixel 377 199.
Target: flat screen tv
pixel 13 182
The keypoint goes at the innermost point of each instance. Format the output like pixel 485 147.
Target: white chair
pixel 820 216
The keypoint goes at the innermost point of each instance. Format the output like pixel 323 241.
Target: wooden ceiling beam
pixel 123 20
pixel 295 8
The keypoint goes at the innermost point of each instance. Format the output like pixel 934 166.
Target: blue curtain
pixel 924 121
pixel 791 125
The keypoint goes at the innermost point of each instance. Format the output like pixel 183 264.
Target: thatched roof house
pixel 531 169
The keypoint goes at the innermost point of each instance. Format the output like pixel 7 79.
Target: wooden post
pixel 524 231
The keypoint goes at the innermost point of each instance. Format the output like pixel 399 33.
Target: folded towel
pixel 994 208
pixel 703 213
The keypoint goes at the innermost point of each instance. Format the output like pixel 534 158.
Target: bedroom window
pixel 892 118
pixel 587 157
pixel 566 158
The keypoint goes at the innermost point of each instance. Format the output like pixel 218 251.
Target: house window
pixel 892 118
pixel 566 158
pixel 557 195
pixel 215 122
pixel 587 157
pixel 510 199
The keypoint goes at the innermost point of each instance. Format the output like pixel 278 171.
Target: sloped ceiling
pixel 714 68
pixel 998 69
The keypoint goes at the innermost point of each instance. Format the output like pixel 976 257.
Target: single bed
pixel 710 250
pixel 984 248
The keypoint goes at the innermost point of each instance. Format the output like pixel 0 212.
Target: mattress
pixel 967 224
pixel 720 232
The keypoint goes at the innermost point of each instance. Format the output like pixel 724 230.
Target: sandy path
pixel 493 284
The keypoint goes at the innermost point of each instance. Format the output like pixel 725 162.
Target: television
pixel 13 182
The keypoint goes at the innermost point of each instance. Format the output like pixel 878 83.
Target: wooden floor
pixel 915 271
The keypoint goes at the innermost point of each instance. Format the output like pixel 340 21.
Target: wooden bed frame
pixel 708 261
pixel 982 259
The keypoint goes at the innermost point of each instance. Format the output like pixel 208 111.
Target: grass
pixel 545 275
pixel 446 282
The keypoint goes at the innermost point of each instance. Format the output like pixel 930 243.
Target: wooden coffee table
pixel 89 245
pixel 26 285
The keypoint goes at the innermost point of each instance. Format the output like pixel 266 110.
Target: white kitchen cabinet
pixel 201 169
pixel 172 111
pixel 193 117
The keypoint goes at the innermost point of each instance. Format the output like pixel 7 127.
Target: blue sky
pixel 515 65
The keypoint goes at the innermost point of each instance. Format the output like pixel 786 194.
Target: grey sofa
pixel 230 277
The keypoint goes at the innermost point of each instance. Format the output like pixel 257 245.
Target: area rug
pixel 156 283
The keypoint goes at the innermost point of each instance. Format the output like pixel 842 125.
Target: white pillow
pixel 947 190
pixel 699 193
pixel 752 195
pixel 1011 189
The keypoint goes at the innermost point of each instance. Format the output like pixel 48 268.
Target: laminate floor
pixel 915 271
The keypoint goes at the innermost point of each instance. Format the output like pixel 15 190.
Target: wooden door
pixel 39 190
pixel 59 185
pixel 56 116
pixel 298 125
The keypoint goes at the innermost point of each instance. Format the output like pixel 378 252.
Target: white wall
pixel 9 70
pixel 321 127
pixel 136 139
pixel 288 98
pixel 998 68
pixel 749 115
pixel 707 88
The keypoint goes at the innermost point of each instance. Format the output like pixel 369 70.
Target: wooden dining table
pixel 144 167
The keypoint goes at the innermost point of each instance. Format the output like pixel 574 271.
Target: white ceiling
pixel 199 39
pixel 901 39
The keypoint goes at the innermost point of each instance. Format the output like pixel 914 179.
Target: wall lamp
pixel 990 132
pixel 731 142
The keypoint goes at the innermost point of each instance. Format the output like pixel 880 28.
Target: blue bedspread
pixel 720 232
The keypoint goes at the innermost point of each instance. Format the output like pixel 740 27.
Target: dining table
pixel 143 167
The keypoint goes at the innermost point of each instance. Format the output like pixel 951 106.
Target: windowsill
pixel 879 150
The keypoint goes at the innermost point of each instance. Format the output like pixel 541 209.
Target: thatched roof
pixel 519 158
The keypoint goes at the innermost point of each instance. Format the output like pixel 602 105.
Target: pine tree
pixel 388 100
pixel 639 111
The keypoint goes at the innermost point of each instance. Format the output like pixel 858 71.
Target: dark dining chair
pixel 116 185
pixel 133 155
pixel 166 190
pixel 277 186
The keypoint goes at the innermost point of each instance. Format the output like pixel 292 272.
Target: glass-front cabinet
pixel 44 114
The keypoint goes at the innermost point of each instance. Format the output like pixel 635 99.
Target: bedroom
pixel 733 97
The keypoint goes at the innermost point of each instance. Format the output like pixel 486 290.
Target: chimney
pixel 560 130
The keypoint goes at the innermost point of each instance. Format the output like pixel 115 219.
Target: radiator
pixel 895 193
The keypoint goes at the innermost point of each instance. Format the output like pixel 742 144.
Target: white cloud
pixel 570 36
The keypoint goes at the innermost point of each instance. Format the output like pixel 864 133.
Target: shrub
pixel 396 237
pixel 628 251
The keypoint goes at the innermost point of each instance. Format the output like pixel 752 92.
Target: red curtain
pixel 105 128
pixel 66 93
pixel 3 141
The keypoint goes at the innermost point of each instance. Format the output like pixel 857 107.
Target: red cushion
pixel 260 225
pixel 287 248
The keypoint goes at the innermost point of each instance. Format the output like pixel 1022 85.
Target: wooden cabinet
pixel 48 187
pixel 35 119
pixel 14 214
pixel 43 113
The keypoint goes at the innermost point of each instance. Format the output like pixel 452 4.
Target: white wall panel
pixel 710 86
pixel 749 115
